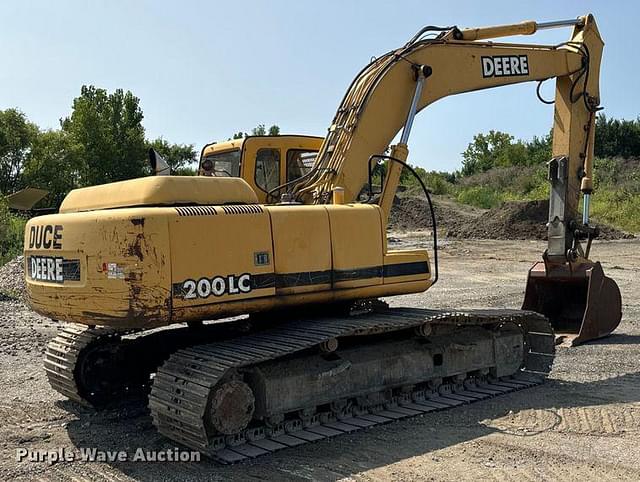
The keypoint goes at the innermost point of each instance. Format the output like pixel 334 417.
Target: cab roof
pixel 237 143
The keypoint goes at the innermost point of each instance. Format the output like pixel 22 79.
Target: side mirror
pixel 158 165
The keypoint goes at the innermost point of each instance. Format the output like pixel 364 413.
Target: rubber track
pixel 182 385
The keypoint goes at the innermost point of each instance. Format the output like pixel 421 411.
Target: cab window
pixel 268 169
pixel 299 162
pixel 222 164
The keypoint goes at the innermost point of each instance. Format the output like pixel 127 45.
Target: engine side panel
pixel 108 267
pixel 302 243
pixel 220 254
pixel 356 242
pixel 152 266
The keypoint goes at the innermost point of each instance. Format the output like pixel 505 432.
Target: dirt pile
pixel 511 220
pixel 12 278
pixel 519 220
pixel 412 214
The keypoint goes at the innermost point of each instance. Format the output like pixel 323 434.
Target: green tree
pixel 482 153
pixel 178 156
pixel 16 136
pixel 539 149
pixel 617 137
pixel 259 130
pixel 108 127
pixel 498 149
pixel 56 163
pixel 274 130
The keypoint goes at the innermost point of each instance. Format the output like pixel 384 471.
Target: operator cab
pixel 264 162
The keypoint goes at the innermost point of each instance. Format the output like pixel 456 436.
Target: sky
pixel 204 70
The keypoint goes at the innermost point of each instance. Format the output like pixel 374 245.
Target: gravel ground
pixel 584 423
pixel 12 278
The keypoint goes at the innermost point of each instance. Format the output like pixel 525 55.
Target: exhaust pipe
pixel 159 166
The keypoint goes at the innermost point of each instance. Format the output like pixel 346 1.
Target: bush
pixel 436 182
pixel 617 172
pixel 11 234
pixel 479 196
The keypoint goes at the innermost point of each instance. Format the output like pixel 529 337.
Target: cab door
pixel 261 165
pixel 271 161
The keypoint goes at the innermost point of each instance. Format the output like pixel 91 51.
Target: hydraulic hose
pixel 426 193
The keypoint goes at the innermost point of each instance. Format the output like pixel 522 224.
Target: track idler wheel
pixel 231 408
pixel 581 303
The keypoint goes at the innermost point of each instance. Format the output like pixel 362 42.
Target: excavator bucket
pixel 581 303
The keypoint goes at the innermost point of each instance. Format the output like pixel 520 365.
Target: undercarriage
pixel 235 391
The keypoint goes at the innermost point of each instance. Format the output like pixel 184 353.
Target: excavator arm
pixel 386 95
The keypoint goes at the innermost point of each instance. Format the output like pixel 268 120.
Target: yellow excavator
pixel 285 261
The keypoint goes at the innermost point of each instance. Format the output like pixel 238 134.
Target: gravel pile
pixel 12 278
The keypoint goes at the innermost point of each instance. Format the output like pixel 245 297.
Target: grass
pixel 480 196
pixel 618 208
